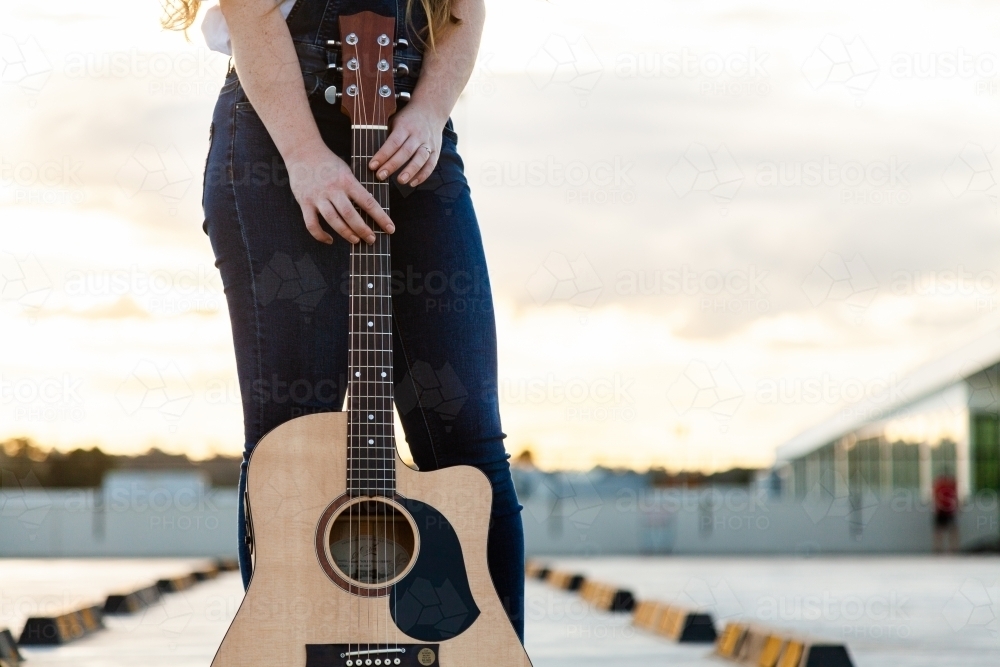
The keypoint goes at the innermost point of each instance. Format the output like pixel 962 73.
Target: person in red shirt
pixel 945 493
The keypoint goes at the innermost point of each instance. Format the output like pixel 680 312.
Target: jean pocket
pixel 204 176
pixel 449 132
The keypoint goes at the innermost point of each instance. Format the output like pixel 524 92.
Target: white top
pixel 216 31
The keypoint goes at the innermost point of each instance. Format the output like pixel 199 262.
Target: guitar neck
pixel 371 446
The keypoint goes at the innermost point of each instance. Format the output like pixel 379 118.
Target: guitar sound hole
pixel 371 542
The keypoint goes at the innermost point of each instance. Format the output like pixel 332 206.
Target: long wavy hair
pixel 180 15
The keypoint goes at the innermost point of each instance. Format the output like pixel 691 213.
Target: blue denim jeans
pixel 287 294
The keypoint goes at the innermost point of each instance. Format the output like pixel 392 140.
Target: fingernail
pixel 390 228
pixel 404 178
pixel 354 239
pixel 371 239
pixel 383 174
pixel 373 165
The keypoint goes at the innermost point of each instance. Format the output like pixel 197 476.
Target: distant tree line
pixel 689 478
pixel 662 477
pixel 23 463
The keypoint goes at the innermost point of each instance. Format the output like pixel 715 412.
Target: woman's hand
pixel 324 185
pixel 415 141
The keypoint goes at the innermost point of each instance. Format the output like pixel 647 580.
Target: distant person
pixel 945 492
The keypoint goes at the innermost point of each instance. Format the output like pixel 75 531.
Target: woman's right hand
pixel 324 186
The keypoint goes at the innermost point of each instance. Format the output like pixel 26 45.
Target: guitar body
pixel 295 473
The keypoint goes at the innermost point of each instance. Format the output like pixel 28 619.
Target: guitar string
pixel 352 473
pixel 362 249
pixel 388 455
pixel 357 400
pixel 374 136
pixel 371 399
pixel 363 168
pixel 355 552
pixel 366 355
pixel 354 561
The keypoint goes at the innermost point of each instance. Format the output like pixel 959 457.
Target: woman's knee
pixel 502 483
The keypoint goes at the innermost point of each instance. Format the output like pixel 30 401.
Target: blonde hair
pixel 180 15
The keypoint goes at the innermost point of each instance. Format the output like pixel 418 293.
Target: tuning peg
pixel 402 69
pixel 331 95
pixel 403 97
pixel 400 43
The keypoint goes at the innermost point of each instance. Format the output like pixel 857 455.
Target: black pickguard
pixel 433 601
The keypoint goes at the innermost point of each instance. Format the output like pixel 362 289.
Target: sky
pixel 708 227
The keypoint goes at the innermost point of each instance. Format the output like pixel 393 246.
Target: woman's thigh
pixel 284 289
pixel 445 336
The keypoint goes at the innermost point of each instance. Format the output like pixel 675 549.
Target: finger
pixel 313 226
pixel 420 158
pixel 396 138
pixel 350 215
pixel 399 158
pixel 367 203
pixel 336 223
pixel 425 171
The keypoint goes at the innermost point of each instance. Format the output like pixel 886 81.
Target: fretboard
pixel 371 446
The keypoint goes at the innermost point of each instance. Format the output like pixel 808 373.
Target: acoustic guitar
pixel 358 559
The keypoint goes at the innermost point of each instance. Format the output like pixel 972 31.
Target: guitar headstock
pixel 367 41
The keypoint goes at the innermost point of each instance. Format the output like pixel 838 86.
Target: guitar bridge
pixel 372 655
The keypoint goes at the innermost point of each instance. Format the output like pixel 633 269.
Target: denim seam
pixel 253 279
pixel 423 414
pixel 294 10
pixel 320 29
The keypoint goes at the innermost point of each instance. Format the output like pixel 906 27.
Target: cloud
pixel 123 307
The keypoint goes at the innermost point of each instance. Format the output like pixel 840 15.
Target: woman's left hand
pixel 415 141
